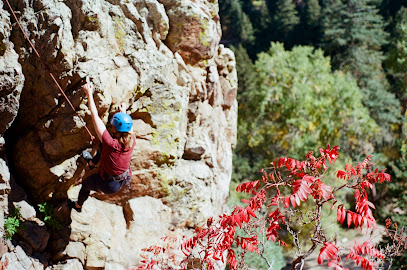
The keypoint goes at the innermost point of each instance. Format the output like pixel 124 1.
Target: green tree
pixel 396 62
pixel 297 103
pixel 246 76
pixel 308 32
pixel 236 25
pixel 395 193
pixel 388 8
pixel 349 25
pixel 261 18
pixel 285 19
pixel 247 83
pixel 354 35
pixel 396 65
pixel 312 13
pixel 247 6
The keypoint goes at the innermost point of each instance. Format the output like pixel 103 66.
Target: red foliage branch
pixel 365 249
pixel 301 189
pixel 303 179
pixel 329 251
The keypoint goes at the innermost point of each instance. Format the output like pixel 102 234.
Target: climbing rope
pixel 52 76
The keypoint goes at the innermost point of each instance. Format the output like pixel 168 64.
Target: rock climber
pixel 116 151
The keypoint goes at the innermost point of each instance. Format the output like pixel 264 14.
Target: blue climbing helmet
pixel 122 122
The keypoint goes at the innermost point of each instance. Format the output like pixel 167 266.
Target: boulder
pixel 113 235
pixel 4 176
pixel 34 234
pixel 194 29
pixel 148 219
pixel 72 264
pixel 26 210
pixel 18 260
pixel 75 250
pixel 11 75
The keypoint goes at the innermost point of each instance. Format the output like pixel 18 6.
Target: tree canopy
pixel 353 34
pixel 347 88
pixel 296 103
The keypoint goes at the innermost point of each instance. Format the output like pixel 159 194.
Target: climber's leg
pixel 96 183
pixel 90 183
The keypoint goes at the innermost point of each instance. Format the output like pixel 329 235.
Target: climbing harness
pixel 118 178
pixel 52 76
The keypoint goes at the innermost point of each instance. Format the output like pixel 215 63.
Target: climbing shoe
pixel 88 157
pixel 72 205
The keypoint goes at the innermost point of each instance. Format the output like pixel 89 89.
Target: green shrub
pixel 50 219
pixel 272 252
pixel 12 223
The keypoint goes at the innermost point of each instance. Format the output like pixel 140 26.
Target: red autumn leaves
pixel 328 251
pixel 302 180
pixel 301 189
pixel 274 218
pixel 218 238
pixel 362 218
pixel 358 251
pixel 305 184
pixel 308 185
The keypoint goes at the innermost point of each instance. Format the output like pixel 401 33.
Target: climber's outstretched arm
pixel 97 122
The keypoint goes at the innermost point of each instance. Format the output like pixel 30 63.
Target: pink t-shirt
pixel 115 159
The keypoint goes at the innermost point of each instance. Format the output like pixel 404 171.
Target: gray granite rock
pixel 163 59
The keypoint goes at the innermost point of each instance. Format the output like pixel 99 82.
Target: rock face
pixel 11 77
pixel 11 85
pixel 163 59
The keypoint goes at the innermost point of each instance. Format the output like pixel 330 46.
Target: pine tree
pixel 244 160
pixel 389 8
pixel 396 62
pixel 334 20
pixel 285 19
pixel 246 75
pixel 271 6
pixel 236 25
pixel 261 19
pixel 312 14
pixel 308 32
pixel 247 6
pixel 353 36
pixel 351 24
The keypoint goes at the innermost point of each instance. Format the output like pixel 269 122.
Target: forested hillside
pixel 313 73
pixel 159 61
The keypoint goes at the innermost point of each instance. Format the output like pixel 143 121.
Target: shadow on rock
pixel 42 232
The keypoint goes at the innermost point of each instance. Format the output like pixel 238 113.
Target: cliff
pixel 163 59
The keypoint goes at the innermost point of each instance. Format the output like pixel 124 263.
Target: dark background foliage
pixel 318 72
